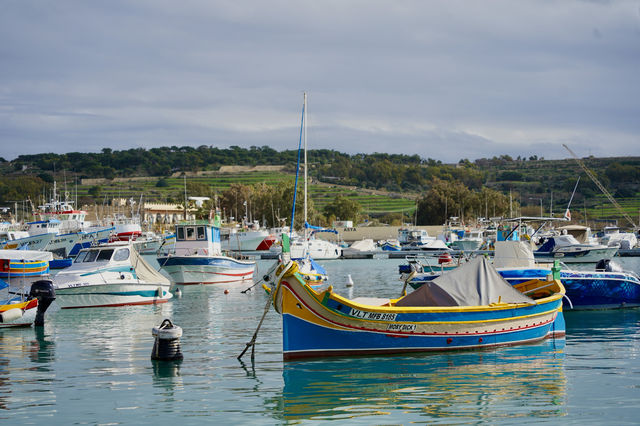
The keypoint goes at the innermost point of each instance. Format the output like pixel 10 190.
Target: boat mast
pixel 304 122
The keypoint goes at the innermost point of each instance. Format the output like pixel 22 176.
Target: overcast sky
pixel 442 79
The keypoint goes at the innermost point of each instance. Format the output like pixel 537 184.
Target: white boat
pixel 126 228
pixel 419 239
pixel 471 240
pixel 246 238
pixel 35 242
pixel 110 275
pixel 308 245
pixel 198 258
pixel 315 248
pixel 614 237
pixel 360 247
pixel 569 250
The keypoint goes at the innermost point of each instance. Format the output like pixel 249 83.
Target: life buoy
pixel 444 258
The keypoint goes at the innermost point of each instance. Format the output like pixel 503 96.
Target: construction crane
pixel 599 185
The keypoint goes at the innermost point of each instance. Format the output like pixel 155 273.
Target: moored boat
pixel 18 267
pixel 469 308
pixel 110 275
pixel 26 309
pixel 198 258
pixel 569 250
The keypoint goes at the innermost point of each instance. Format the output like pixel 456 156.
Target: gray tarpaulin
pixel 474 283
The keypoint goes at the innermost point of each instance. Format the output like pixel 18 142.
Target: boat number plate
pixel 401 327
pixel 376 316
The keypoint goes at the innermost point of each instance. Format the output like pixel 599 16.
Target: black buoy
pixel 43 291
pixel 167 344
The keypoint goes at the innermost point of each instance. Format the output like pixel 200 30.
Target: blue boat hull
pixel 588 290
pixel 302 339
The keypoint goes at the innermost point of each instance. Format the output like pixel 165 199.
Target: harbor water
pixel 93 366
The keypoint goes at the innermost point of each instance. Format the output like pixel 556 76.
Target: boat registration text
pixel 376 316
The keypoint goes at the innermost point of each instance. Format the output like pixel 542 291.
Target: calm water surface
pixel 93 366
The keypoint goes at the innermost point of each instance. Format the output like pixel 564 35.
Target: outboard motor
pixel 43 291
pixel 608 265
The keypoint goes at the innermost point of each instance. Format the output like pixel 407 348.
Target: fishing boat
pixel 25 310
pixel 31 242
pixel 390 245
pixel 198 258
pixel 112 274
pixel 608 286
pixel 20 267
pixel 471 307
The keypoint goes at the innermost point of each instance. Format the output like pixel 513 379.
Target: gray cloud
pixel 446 80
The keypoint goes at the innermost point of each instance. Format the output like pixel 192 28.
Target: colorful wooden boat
pixel 24 310
pixel 469 308
pixel 21 267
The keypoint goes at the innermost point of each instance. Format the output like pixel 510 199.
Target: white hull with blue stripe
pixel 198 258
pixel 110 275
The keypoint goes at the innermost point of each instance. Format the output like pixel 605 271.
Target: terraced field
pixel 321 194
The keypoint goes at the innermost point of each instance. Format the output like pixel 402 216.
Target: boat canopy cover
pixel 475 283
pixel 558 241
pixel 513 254
pixel 144 271
pixel 26 255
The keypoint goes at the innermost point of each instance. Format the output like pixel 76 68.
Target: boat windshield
pixel 105 255
pixel 122 254
pixel 94 256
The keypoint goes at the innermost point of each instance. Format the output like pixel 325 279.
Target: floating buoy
pixel 178 292
pixel 445 258
pixel 167 344
pixel 226 291
pixel 349 281
pixel 10 315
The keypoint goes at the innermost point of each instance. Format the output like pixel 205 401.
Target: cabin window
pixel 122 254
pixel 180 233
pixel 80 257
pixel 91 256
pixel 202 235
pixel 105 255
pixel 191 233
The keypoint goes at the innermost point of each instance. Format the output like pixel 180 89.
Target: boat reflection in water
pixel 525 381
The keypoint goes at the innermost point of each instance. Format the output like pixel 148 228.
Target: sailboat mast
pixel 304 119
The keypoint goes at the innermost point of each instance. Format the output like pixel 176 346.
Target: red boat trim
pixel 292 355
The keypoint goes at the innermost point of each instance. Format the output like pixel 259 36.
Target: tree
pixel 343 208
pixel 95 191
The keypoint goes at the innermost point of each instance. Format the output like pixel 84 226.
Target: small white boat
pixel 110 275
pixel 247 237
pixel 198 258
pixel 569 250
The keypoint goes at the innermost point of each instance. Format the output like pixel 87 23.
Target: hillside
pixel 380 183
